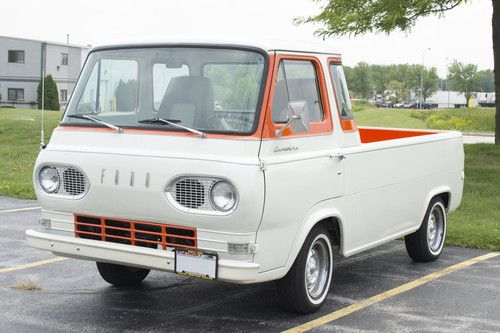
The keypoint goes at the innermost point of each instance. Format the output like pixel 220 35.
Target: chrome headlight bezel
pixel 207 207
pixel 55 178
pixel 63 171
pixel 229 189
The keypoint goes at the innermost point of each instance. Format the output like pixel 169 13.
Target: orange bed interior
pixel 379 134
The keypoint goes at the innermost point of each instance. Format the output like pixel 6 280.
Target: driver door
pixel 298 168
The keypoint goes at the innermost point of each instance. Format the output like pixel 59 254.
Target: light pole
pixel 447 83
pixel 422 79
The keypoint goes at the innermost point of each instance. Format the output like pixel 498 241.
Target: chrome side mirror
pixel 298 118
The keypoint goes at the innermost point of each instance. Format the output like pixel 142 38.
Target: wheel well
pixel 445 196
pixel 333 226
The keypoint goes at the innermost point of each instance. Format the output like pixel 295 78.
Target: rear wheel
pixel 426 244
pixel 305 287
pixel 121 276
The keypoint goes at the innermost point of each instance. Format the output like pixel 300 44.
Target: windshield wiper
pixel 83 116
pixel 173 123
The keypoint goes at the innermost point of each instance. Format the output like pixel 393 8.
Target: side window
pixel 296 81
pixel 341 91
pixel 161 79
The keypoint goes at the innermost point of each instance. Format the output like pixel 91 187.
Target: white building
pixel 21 67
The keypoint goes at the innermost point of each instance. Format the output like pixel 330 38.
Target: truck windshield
pixel 208 89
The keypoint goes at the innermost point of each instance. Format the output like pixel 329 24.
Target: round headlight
pixel 49 179
pixel 223 196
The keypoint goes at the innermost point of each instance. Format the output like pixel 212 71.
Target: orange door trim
pixel 316 128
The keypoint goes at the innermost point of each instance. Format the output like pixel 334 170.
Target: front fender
pixel 320 211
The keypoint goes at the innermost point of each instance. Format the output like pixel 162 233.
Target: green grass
pixel 475 224
pixel 464 119
pixel 19 146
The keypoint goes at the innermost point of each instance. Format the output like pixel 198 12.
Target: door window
pixel 296 81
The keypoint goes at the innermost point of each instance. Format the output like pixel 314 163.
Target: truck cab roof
pixel 268 45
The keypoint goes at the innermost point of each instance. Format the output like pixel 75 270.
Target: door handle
pixel 338 156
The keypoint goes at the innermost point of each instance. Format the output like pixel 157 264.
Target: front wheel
pixel 121 276
pixel 305 287
pixel 426 244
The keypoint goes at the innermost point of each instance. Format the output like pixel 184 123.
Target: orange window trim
pixel 316 128
pixel 348 125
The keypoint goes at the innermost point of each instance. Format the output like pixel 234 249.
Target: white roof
pixel 260 43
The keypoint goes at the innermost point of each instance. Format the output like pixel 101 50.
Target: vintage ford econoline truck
pixel 237 161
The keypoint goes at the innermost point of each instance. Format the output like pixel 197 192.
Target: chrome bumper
pixel 86 249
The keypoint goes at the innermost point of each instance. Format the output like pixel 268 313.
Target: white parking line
pixel 31 265
pixel 19 209
pixel 388 294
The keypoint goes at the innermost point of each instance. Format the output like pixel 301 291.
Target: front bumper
pixel 85 249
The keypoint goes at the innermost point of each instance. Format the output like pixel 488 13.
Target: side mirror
pixel 298 118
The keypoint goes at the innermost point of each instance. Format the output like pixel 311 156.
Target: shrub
pixel 360 105
pixel 51 98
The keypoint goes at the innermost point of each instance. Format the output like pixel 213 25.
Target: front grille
pixel 145 234
pixel 193 192
pixel 73 181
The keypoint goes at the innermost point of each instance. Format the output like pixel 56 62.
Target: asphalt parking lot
pixel 70 296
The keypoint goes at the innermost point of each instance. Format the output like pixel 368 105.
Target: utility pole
pixel 42 133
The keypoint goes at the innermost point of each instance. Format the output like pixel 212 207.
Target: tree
pixel 380 78
pixel 485 81
pixel 125 95
pixel 462 78
pixel 399 93
pixel 430 82
pixel 51 96
pixel 347 17
pixel 360 79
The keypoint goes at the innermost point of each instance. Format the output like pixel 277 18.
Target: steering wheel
pixel 228 121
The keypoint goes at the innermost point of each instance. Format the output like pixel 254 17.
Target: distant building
pixel 21 68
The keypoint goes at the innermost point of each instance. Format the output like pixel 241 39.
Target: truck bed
pixel 372 134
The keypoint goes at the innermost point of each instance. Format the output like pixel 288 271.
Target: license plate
pixel 196 263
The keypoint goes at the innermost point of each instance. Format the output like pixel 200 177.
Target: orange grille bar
pixel 145 234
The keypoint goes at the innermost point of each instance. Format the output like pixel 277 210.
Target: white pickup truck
pixel 237 161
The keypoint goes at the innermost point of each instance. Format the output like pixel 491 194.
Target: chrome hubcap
pixel 317 268
pixel 436 229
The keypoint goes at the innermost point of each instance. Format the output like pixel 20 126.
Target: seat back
pixel 189 99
